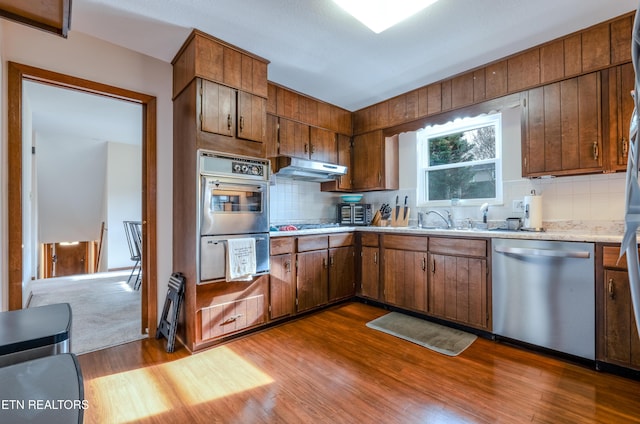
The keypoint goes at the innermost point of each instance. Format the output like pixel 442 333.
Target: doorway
pixel 17 74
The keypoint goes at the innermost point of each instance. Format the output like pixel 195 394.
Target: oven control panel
pixel 218 164
pixel 247 169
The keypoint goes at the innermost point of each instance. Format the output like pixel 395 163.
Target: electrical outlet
pixel 517 206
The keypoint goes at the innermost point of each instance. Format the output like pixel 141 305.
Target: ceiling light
pixel 379 15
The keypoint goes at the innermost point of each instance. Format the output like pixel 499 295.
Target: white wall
pixel 124 191
pixel 90 58
pixel 71 183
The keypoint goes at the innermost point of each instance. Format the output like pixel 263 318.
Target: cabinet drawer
pixel 226 318
pixel 307 243
pixel 369 239
pixel 610 257
pixel 458 246
pixel 282 245
pixel 341 240
pixel 414 243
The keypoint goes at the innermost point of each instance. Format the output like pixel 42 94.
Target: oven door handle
pixel 237 187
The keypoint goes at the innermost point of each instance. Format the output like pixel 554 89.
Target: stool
pixel 169 320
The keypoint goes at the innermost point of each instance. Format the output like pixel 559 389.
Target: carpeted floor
pixel 105 309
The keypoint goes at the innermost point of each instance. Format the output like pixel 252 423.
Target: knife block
pixel 401 219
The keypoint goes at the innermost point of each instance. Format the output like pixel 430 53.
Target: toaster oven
pixel 355 214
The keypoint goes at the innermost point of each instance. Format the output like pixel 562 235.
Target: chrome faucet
pixel 448 219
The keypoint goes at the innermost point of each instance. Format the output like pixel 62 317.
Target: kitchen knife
pixel 406 207
pixel 397 215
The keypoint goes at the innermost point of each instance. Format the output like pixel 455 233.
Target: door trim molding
pixel 17 73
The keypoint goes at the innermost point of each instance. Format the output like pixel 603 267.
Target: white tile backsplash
pixel 597 197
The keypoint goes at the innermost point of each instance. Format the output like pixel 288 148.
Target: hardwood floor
pixel 330 367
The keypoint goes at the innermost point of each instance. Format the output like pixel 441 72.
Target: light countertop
pixel 594 234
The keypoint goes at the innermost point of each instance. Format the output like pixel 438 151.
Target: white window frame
pixel 459 125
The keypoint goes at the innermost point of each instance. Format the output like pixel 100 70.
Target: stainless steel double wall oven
pixel 233 203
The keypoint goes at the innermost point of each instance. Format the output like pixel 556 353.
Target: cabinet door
pixel 312 279
pixel 342 276
pixel 375 162
pixel 293 138
pixel 458 289
pixel 622 345
pixel 562 130
pixel 217 109
pixel 370 274
pixel 323 145
pixel 252 117
pixel 282 286
pixel 405 279
pixel 620 84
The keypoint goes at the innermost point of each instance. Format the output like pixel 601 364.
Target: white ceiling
pixel 316 48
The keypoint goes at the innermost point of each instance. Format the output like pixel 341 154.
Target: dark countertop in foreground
pixel 570 235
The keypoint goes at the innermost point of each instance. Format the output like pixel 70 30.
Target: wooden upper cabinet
pixel 323 145
pixel 496 79
pixel 48 15
pixel 375 162
pixel 218 106
pixel 462 90
pixel 572 55
pixel 523 70
pixel 552 62
pixel 252 117
pixel 596 48
pixel 272 99
pixel 345 182
pixel 617 84
pixel 479 86
pixel 562 134
pixel 212 59
pixel 621 30
pixel 293 139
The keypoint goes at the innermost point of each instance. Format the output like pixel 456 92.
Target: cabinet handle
pixel 331 261
pixel 424 264
pixel 241 123
pixel 611 288
pixel 229 122
pixel 433 265
pixel 313 148
pixel 306 148
pixel 375 257
pixel 595 150
pixel 231 319
pixel 379 177
pixel 324 263
pixel 287 266
pixel 625 147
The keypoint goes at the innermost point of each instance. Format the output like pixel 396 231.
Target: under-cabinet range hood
pixel 307 170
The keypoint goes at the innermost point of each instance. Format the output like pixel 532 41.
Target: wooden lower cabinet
pixel 405 282
pixel 618 342
pixel 282 286
pixel 369 266
pixel 458 289
pixel 404 271
pixel 342 282
pixel 282 278
pixel 312 279
pixel 224 309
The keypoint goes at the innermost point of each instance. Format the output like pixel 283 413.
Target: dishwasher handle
pixel 523 251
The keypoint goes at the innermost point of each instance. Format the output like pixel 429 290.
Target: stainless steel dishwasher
pixel 544 294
